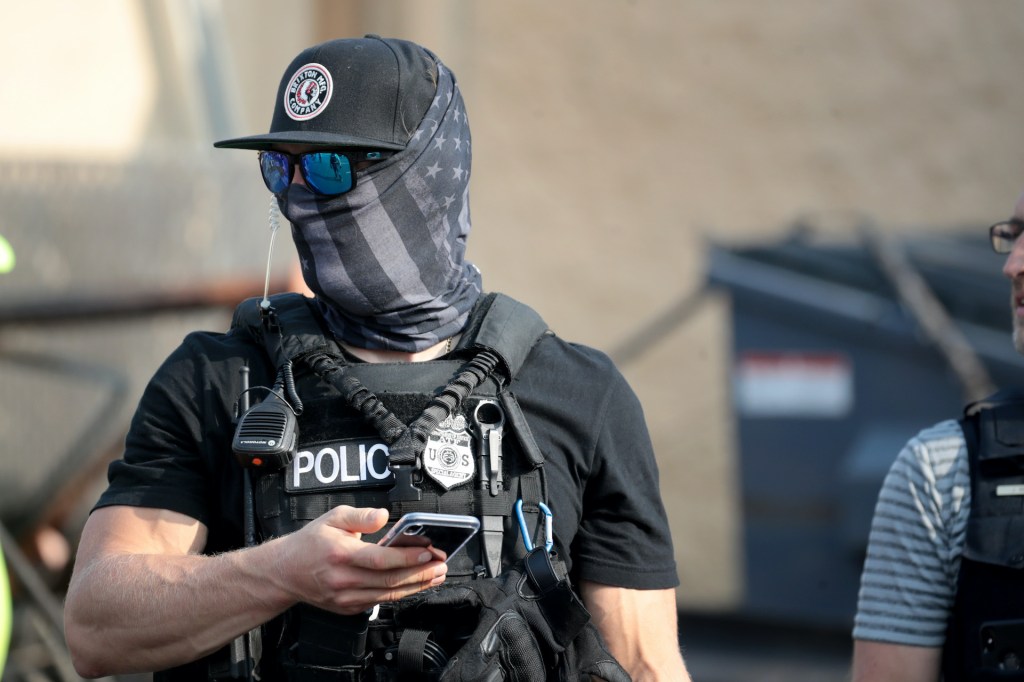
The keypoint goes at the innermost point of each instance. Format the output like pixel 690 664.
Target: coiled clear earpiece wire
pixel 272 216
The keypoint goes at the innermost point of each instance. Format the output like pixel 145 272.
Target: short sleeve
pixel 162 466
pixel 624 538
pixel 910 571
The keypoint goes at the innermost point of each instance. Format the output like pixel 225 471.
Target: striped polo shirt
pixel 917 536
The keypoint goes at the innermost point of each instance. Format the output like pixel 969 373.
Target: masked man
pixel 237 537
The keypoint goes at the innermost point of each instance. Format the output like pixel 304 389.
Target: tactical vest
pixel 440 436
pixel 985 636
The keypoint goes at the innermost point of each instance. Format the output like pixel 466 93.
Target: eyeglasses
pixel 326 173
pixel 1004 235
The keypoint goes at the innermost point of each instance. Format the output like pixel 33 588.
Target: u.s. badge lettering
pixel 448 457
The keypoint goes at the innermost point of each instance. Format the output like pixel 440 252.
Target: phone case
pixel 447 532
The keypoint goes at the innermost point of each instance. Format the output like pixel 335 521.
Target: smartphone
pixel 446 532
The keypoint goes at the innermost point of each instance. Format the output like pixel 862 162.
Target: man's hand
pixel 326 564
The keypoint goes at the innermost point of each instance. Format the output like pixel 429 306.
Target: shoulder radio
pixel 266 435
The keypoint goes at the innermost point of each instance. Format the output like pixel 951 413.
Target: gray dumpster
pixel 831 374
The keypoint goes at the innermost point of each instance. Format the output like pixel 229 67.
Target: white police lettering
pixel 318 468
pixel 308 92
pixel 448 457
pixel 348 464
pixel 384 472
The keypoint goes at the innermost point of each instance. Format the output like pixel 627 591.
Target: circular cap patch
pixel 308 92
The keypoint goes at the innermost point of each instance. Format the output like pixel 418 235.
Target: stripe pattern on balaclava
pixel 386 261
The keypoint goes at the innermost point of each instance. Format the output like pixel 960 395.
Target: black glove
pixel 526 625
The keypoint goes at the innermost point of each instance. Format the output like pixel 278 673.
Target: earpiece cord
pixel 272 215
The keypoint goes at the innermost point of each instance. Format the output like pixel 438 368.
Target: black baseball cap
pixel 352 92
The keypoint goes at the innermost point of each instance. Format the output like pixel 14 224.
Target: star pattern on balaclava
pixel 387 260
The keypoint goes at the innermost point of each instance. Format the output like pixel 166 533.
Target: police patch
pixel 308 92
pixel 353 463
pixel 448 457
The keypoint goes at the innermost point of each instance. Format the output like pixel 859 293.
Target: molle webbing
pixel 459 501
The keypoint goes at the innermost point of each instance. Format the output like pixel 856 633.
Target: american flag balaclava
pixel 386 260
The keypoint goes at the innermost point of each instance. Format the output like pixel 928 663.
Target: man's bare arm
pixel 882 662
pixel 640 628
pixel 142 598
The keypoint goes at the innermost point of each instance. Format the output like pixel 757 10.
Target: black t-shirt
pixel 600 470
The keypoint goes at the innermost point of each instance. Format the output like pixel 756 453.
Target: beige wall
pixel 611 139
pixel 70 88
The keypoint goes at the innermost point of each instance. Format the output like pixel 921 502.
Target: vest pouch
pixel 1001 441
pixel 325 646
pixel 526 625
pixel 409 655
pixel 998 541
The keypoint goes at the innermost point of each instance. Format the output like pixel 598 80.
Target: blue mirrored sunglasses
pixel 325 173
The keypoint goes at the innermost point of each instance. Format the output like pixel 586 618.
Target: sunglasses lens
pixel 1004 235
pixel 327 173
pixel 277 171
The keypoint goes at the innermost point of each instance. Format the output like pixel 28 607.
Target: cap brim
pixel 269 140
